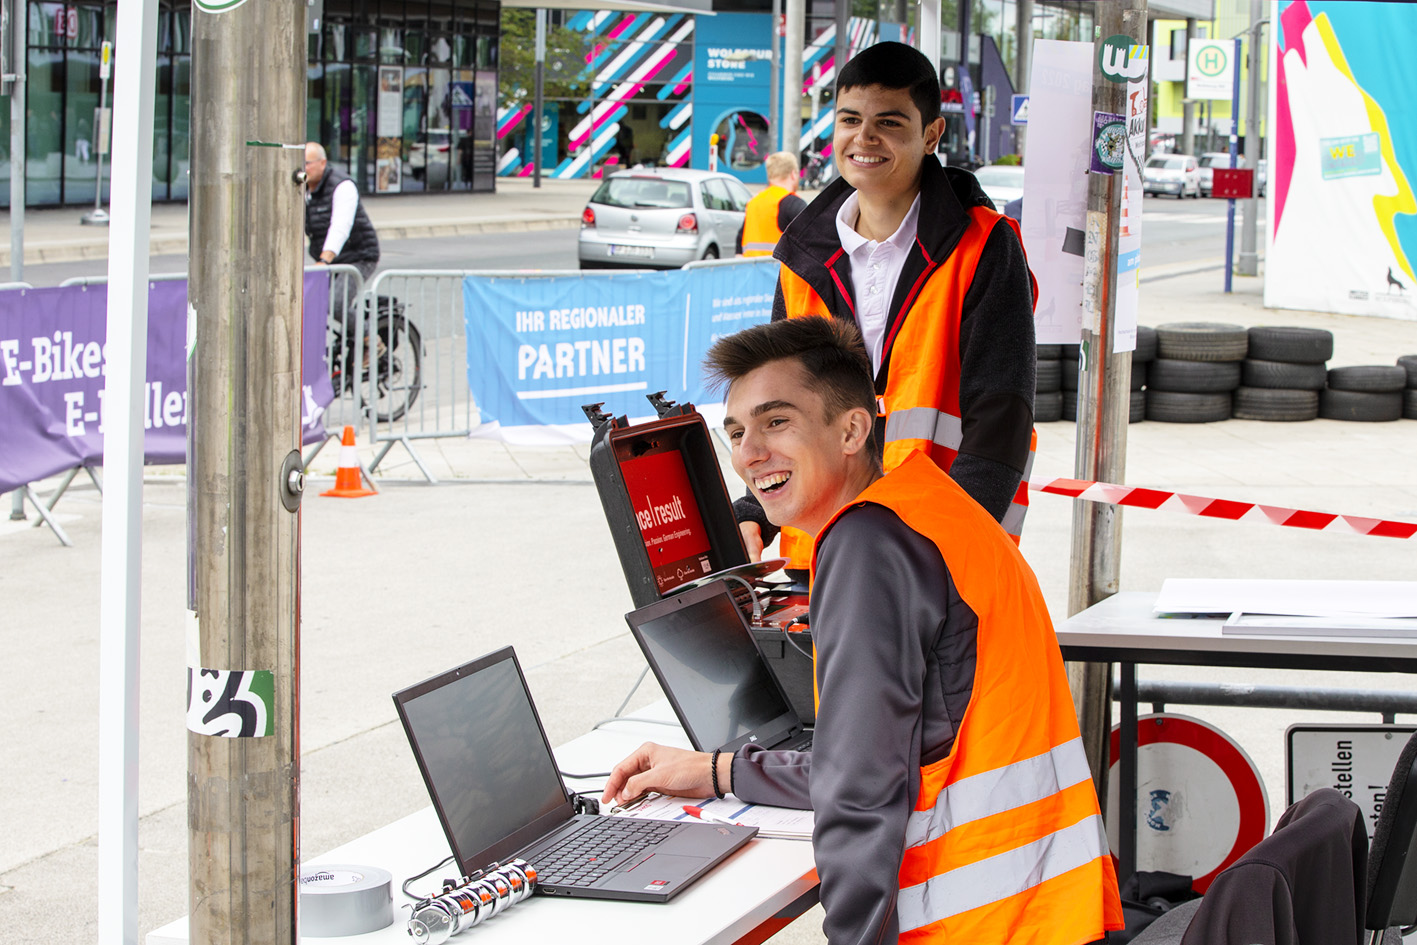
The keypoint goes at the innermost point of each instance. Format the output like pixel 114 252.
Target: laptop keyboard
pixel 597 849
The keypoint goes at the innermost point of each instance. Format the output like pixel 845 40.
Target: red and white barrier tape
pixel 1222 508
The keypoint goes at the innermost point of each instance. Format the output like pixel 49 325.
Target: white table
pixel 1122 629
pixel 757 891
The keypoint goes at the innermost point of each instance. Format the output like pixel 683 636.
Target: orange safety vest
pixel 921 400
pixel 760 230
pixel 1006 841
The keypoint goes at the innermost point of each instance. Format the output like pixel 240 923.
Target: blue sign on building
pixel 732 73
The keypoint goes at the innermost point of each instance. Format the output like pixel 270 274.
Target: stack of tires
pixel 1048 388
pixel 1408 362
pixel 1367 393
pixel 1196 371
pixel 1142 358
pixel 1284 374
pixel 1145 352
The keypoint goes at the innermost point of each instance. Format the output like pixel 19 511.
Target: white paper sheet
pixel 1288 597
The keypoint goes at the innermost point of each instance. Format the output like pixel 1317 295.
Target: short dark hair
pixel 895 66
pixel 829 349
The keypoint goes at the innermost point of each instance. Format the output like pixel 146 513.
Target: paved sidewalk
pixel 56 235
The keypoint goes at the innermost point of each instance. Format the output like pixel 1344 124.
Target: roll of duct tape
pixel 338 900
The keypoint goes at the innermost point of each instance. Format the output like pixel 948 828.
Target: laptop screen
pixel 484 757
pixel 705 658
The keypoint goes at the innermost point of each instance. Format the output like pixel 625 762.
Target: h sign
pixel 1018 108
pixel 1211 69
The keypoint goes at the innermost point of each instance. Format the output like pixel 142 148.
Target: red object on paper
pixel 1236 183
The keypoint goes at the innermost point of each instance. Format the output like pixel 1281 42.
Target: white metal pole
pixel 929 32
pixel 130 196
pixel 792 76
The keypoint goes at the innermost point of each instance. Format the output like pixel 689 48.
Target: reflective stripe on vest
pixel 1005 841
pixel 993 792
pixel 760 231
pixel 925 423
pixel 999 877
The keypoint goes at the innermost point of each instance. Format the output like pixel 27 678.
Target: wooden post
pixel 1104 398
pixel 245 295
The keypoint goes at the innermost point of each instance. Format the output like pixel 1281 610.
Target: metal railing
pixel 1385 702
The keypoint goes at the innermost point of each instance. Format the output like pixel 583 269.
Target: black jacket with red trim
pixel 996 340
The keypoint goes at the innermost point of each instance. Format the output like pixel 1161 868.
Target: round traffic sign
pixel 1200 801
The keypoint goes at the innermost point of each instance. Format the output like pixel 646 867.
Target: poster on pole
pixel 1055 188
pixel 1124 313
pixel 1342 212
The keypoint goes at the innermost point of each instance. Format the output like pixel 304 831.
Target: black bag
pixel 1146 895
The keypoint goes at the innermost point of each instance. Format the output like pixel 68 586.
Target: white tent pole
pixel 130 203
pixel 928 33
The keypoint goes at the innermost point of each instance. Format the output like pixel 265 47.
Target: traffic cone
pixel 347 483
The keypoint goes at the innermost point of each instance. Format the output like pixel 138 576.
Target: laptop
pixel 483 754
pixel 704 657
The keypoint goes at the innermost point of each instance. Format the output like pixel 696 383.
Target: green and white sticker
pixel 1121 60
pixel 217 6
pixel 235 703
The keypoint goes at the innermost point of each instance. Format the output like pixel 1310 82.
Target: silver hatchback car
pixel 661 218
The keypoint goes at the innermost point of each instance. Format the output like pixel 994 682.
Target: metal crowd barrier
pixel 419 329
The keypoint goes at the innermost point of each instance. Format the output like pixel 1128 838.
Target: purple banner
pixel 52 366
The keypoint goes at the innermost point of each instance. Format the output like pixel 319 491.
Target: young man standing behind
pixel 934 278
pixel 953 800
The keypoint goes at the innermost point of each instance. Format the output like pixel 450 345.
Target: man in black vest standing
pixel 335 221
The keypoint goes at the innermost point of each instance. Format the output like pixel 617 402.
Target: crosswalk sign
pixel 1019 109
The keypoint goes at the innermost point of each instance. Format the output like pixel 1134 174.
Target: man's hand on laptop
pixel 674 771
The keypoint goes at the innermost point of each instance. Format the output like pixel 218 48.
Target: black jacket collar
pixel 811 248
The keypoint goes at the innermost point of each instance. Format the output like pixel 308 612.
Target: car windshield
pixel 1000 176
pixel 644 192
pixel 1167 163
pixel 1215 160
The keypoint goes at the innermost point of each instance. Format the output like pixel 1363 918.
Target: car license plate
pixel 644 252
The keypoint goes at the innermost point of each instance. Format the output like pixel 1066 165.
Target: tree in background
pixel 566 50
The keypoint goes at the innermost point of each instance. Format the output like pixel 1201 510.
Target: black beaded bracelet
pixel 713 772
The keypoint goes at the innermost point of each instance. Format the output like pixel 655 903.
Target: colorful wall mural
pixel 640 74
pixel 1342 233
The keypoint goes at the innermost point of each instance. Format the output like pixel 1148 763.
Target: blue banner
pixel 540 348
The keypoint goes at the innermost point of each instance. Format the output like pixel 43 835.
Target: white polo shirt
pixel 875 269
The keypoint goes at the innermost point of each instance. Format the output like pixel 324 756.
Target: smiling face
pixel 880 141
pixel 801 465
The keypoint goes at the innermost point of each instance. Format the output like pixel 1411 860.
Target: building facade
pixel 402 87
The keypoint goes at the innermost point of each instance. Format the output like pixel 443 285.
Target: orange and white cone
pixel 347 482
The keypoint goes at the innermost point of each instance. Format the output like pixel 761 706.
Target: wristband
pixel 713 772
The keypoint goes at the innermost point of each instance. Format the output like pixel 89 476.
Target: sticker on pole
pixel 1109 142
pixel 231 703
pixel 217 6
pixel 1200 801
pixel 1121 60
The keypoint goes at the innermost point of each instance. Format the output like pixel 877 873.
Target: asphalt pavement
pixel 512 547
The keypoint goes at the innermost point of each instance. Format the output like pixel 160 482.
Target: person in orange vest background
pixel 953 802
pixel 773 208
pixel 916 255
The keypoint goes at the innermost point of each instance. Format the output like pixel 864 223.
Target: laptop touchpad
pixel 667 865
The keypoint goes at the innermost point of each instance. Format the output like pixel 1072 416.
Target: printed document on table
pixel 1300 598
pixel 776 823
